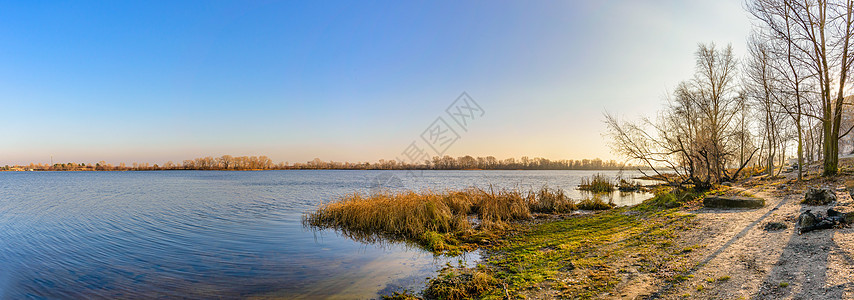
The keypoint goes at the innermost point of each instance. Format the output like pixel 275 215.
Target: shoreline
pixel 307 169
pixel 694 252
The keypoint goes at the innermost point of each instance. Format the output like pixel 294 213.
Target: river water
pixel 216 234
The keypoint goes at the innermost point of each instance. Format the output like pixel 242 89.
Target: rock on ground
pixel 815 196
pixel 733 202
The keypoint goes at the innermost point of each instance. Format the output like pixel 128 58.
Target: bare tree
pixel 697 134
pixel 713 96
pixel 819 34
pixel 760 85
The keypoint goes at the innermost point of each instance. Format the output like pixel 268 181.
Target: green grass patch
pixel 588 251
pixel 667 198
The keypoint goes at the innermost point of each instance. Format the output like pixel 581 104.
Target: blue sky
pixel 153 81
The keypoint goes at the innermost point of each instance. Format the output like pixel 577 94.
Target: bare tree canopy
pixel 814 37
pixel 698 134
pixel 792 91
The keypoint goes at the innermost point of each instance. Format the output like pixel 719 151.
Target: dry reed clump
pixel 394 215
pixel 628 186
pixel 495 210
pixel 438 221
pixel 463 283
pixel 596 203
pixel 599 184
pixel 552 201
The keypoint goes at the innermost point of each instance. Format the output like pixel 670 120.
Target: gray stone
pixel 807 219
pixel 823 224
pixel 843 217
pixel 815 196
pixel 774 226
pixel 733 202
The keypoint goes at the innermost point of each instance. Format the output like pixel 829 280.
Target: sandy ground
pixel 760 264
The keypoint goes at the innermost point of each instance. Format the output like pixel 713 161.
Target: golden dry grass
pixel 461 283
pixel 595 203
pixel 598 184
pixel 552 201
pixel 439 221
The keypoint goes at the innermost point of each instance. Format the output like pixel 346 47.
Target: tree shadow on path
pixel 801 272
pixel 668 286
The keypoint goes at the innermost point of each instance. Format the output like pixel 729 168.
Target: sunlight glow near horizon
pixel 158 81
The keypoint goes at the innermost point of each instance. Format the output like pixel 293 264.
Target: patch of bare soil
pixel 741 258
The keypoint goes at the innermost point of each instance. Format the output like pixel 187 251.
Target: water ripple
pixel 191 234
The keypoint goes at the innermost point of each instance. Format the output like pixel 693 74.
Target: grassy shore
pixel 668 247
pixel 575 257
pixel 531 243
pixel 583 256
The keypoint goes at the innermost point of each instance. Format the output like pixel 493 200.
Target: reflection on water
pixel 211 234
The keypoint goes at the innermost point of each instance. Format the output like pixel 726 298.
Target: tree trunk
pixel 830 153
pixel 800 152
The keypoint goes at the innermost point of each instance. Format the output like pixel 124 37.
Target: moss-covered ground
pixel 585 256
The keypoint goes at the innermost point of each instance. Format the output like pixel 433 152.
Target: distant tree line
pixel 228 162
pixel 473 163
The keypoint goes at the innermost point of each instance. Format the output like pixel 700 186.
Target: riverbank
pixel 585 255
pixel 685 252
pixel 538 244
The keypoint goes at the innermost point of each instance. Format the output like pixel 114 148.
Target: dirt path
pixel 738 258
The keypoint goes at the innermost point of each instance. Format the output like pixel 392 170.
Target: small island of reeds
pixel 597 184
pixel 600 184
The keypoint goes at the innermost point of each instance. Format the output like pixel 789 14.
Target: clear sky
pixel 151 81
